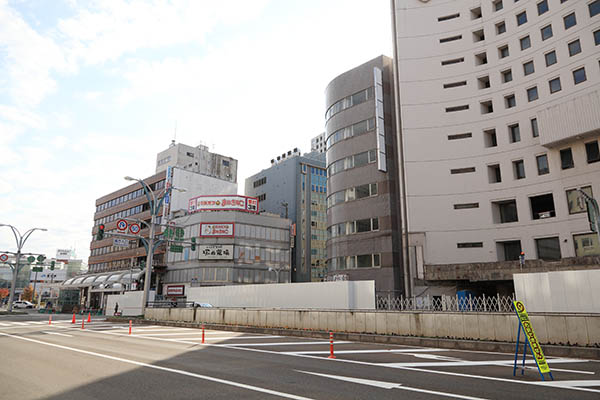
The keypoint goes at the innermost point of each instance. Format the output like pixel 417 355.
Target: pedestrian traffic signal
pixel 100 234
pixel 52 265
pixel 193 244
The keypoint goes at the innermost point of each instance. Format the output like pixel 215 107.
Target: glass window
pixel 519 167
pixel 498 5
pixel 532 93
pixel 503 51
pixel 521 18
pixel 574 47
pixel 528 68
pixel 515 133
pixel 579 75
pixel 363 225
pixel 586 244
pixel 566 158
pixel 542 164
pixel 500 28
pixel 510 101
pixel 525 42
pixel 554 85
pixel 597 37
pixel 592 152
pixel 507 75
pixel 594 8
pixel 546 32
pixel 534 127
pixel 576 201
pixel 542 7
pixel 364 261
pixel 507 211
pixel 548 248
pixel 570 21
pixel 550 58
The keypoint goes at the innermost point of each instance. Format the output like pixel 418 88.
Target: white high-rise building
pixel 500 122
pixel 318 143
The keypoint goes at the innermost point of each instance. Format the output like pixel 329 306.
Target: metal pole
pixel 13 285
pixel 149 257
pixel 34 284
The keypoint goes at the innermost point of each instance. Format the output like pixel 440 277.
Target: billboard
pixel 175 290
pixel 63 254
pixel 217 229
pixel 215 252
pixel 223 203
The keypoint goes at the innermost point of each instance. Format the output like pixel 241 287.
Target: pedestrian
pixel 116 308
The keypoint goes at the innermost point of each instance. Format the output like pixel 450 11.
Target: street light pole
pixel 20 241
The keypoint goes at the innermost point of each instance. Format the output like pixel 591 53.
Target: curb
pixel 457 344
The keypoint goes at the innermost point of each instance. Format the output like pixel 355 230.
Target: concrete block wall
pixel 565 329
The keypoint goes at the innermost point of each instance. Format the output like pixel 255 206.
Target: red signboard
pixel 217 229
pixel 223 203
pixel 175 290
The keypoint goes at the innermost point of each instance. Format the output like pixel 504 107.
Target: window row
pixel 349 101
pixel 129 196
pixel 350 131
pixel 490 139
pixel 261 232
pixel 354 262
pixel 122 214
pixel 353 193
pixel 352 227
pixel 259 182
pixel 112 249
pixel 354 161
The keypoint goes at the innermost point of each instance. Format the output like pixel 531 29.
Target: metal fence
pixel 442 303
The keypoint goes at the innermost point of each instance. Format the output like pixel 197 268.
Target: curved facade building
pixel 500 110
pixel 362 217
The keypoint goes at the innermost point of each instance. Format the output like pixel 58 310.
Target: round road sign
pixel 3 257
pixel 134 229
pixel 122 225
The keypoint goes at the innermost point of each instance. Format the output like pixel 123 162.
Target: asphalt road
pixel 102 361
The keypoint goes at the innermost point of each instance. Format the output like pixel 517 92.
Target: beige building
pixel 500 111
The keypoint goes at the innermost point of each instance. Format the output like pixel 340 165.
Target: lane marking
pixel 229 338
pixel 469 363
pixel 390 385
pixel 368 351
pixel 56 333
pixel 166 369
pixel 282 343
pixel 570 383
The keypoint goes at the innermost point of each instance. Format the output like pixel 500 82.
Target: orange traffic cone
pixel 73 320
pixel 89 317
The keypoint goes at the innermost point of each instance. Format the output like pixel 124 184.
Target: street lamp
pixel 20 240
pixel 154 206
pixel 277 271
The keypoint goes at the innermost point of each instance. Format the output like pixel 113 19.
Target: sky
pixel 91 91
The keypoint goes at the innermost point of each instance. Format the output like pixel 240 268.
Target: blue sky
pixel 90 91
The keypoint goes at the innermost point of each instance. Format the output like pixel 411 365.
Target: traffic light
pixel 193 244
pixel 52 265
pixel 100 234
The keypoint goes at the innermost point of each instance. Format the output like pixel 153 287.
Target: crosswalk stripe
pixel 282 343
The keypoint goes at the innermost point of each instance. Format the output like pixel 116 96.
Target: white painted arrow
pixel 390 385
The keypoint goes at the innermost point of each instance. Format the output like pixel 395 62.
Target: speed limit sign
pixel 134 229
pixel 122 225
pixel 3 257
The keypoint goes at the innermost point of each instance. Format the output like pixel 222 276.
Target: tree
pixel 28 293
pixel 4 292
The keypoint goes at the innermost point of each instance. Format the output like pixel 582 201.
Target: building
pixel 199 160
pixel 232 247
pixel 318 143
pixel 362 201
pixel 295 188
pixel 500 111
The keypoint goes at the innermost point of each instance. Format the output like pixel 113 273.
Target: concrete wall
pixel 579 330
pixel 560 291
pixel 348 295
pixel 130 303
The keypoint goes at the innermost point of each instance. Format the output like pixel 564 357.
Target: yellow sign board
pixel 538 354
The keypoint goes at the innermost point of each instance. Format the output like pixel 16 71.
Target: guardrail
pixel 483 303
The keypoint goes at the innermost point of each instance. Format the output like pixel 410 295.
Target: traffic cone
pixel 82 323
pixel 50 320
pixel 73 320
pixel 89 317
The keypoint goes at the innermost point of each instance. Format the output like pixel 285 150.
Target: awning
pixel 108 280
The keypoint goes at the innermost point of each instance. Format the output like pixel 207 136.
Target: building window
pixel 507 75
pixel 468 245
pixel 566 159
pixel 521 18
pixel 548 248
pixel 542 206
pixel 262 197
pixel 505 211
pixel 519 167
pixel 460 136
pixel 510 101
pixel 579 75
pixel 478 36
pixel 225 163
pixel 514 133
pixel 532 93
pixel 586 244
pixel 597 37
pixel 542 7
pixel 525 42
pixel 498 5
pixel 483 82
pixel 594 8
pixel 489 137
pixel 457 108
pixel 570 21
pixel 476 13
pixel 464 206
pixel 554 85
pixel 454 84
pixel 546 32
pixel 510 250
pixel 592 152
pixel 503 51
pixel 494 174
pixel 448 17
pixel 465 170
pixel 453 61
pixel 481 58
pixel 500 28
pixel 574 47
pixel 260 182
pixel 528 68
pixel 486 107
pixel 550 58
pixel 575 200
pixel 542 164
pixel 534 128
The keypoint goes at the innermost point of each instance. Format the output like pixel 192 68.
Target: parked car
pixel 22 304
pixel 203 305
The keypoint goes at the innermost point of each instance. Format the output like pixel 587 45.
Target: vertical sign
pixel 379 119
pixel 534 345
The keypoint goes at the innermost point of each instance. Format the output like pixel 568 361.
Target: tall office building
pixel 318 143
pixel 363 220
pixel 500 122
pixel 295 187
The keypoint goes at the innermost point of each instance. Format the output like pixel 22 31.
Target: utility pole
pixel 20 241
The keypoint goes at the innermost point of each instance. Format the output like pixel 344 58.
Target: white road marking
pixel 470 363
pixel 176 371
pixel 281 343
pixel 390 385
pixel 20 323
pixel 4 324
pixel 368 351
pixel 570 383
pixel 228 338
pixel 59 334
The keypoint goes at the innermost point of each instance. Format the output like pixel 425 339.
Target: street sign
pixel 179 233
pixel 122 225
pixel 30 259
pixel 120 242
pixel 175 248
pixel 168 233
pixel 134 229
pixel 41 258
pixel 37 269
pixel 4 257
